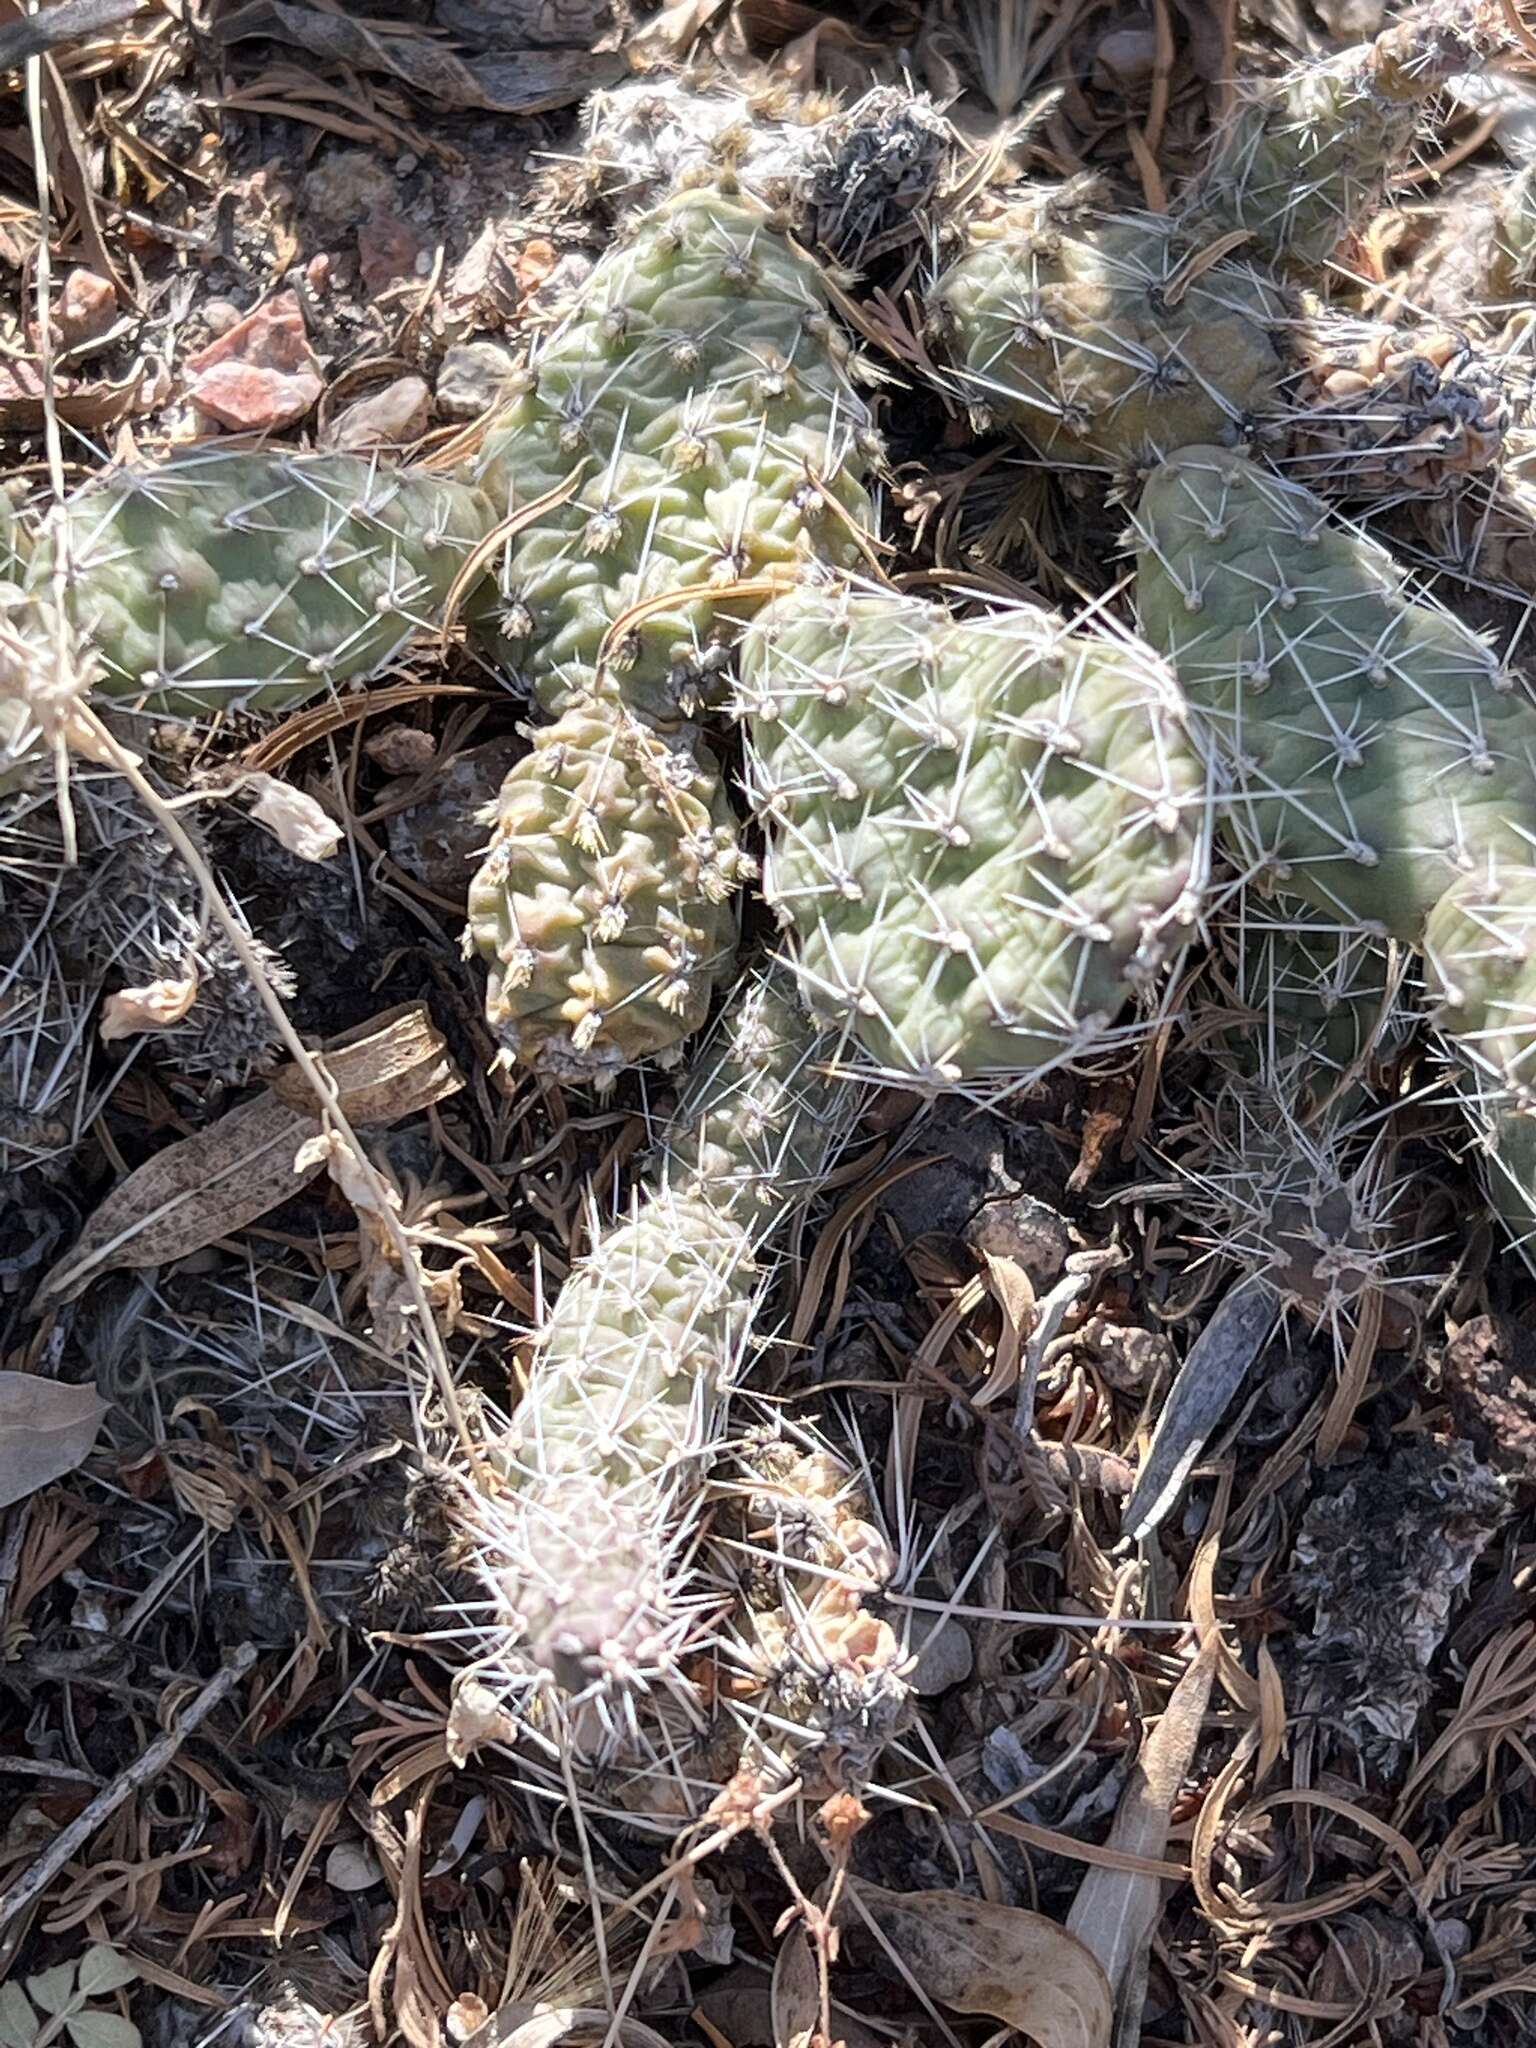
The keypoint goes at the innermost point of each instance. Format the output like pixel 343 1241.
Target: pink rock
pixel 262 374
pixel 387 418
pixel 250 400
pixel 87 308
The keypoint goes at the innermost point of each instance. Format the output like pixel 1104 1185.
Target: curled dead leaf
pixel 476 1717
pixel 295 820
pixel 1014 1965
pixel 155 1007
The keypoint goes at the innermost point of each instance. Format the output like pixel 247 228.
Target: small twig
pixel 51 27
pixel 138 1774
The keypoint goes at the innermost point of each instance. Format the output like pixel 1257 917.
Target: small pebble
pixel 385 419
pixel 472 378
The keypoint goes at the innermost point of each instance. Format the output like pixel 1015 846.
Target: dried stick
pixel 41 1874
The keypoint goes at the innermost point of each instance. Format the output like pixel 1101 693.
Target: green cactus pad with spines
pixel 985 835
pixel 697 407
pixel 1304 157
pixel 1101 339
pixel 237 579
pixel 1087 332
pixel 631 1376
pixel 1320 990
pixel 1378 748
pixel 1381 763
pixel 605 907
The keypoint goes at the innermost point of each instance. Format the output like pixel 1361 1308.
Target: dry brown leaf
pixel 476 1717
pixel 46 1429
pixel 216 1182
pixel 673 32
pixel 1014 1965
pixel 1015 1296
pixel 527 81
pixel 295 820
pixel 1115 1911
pixel 155 1007
pixel 390 1067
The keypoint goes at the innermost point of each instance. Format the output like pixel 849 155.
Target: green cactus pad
pixel 605 907
pixel 1376 743
pixel 1091 335
pixel 231 579
pixel 696 416
pixel 985 835
pixel 1382 764
pixel 1305 157
pixel 1103 339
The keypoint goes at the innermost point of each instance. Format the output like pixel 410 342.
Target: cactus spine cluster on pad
pixel 1381 763
pixel 233 579
pixel 984 834
pixel 585 1542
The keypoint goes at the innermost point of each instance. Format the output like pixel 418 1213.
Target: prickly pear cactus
pixel 1086 332
pixel 1380 759
pixel 1102 339
pixel 606 907
pixel 689 429
pixel 231 579
pixel 985 835
pixel 689 435
pixel 1305 157
pixel 586 1543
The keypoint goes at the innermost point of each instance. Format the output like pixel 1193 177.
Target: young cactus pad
pixel 689 428
pixel 1382 764
pixel 237 579
pixel 627 1393
pixel 1305 157
pixel 605 908
pixel 984 834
